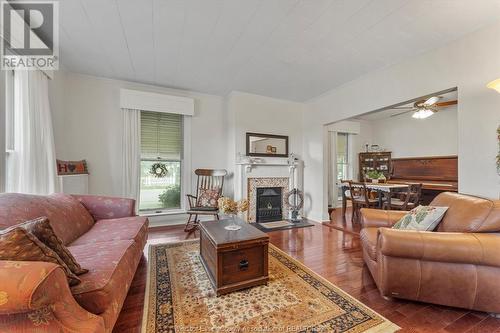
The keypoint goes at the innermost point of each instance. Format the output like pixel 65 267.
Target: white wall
pixel 468 63
pixel 260 114
pixel 87 125
pixel 358 144
pixel 405 136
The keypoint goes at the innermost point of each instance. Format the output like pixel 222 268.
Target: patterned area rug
pixel 180 298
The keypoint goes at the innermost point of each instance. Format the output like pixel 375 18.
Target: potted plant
pixel 375 176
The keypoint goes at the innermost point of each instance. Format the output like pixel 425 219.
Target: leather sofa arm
pixel 38 291
pixel 380 218
pixel 465 248
pixel 101 207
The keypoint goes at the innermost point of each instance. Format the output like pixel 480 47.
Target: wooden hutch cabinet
pixel 380 161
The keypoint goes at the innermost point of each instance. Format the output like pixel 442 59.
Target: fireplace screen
pixel 269 204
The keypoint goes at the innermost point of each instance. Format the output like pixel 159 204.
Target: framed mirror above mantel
pixel 266 145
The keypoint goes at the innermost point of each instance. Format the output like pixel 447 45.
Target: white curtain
pixel 31 166
pixel 131 144
pixel 332 170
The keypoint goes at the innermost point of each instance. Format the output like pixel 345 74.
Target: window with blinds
pixel 161 135
pixel 161 161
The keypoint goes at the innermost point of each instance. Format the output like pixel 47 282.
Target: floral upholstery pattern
pixel 42 230
pixel 111 266
pixel 36 296
pixel 16 243
pixel 107 207
pixel 37 299
pixel 125 228
pixel 67 216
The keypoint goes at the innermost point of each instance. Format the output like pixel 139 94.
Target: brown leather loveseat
pixel 457 265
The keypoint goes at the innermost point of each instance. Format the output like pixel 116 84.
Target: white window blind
pixel 161 136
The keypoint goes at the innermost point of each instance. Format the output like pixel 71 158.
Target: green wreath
pixel 159 170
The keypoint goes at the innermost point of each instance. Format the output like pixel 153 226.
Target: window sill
pixel 164 213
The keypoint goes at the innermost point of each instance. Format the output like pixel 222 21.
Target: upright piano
pixel 436 174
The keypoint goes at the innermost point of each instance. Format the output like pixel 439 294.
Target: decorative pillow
pixel 72 167
pixel 17 244
pixel 42 230
pixel 422 218
pixel 208 197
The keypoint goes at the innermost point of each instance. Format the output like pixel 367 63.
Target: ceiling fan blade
pixel 431 101
pixel 398 114
pixel 446 104
pixel 402 108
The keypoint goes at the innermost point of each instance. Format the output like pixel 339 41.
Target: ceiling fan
pixel 424 108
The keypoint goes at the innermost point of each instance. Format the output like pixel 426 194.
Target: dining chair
pixel 360 197
pixel 346 195
pixel 408 200
pixel 209 187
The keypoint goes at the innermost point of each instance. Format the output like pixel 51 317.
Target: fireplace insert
pixel 269 204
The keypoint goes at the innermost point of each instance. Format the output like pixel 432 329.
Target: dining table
pixel 383 190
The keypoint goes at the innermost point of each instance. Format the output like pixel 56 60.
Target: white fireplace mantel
pixel 250 165
pixel 245 170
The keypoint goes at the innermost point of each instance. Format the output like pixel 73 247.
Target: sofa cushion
pixel 421 218
pixel 368 238
pixel 107 207
pixel 467 213
pixel 67 216
pixel 42 230
pixel 111 267
pixel 208 197
pixel 18 244
pixel 125 228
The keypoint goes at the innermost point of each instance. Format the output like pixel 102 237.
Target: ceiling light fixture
pixel 422 114
pixel 495 84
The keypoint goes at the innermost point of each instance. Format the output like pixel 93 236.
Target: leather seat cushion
pixel 368 238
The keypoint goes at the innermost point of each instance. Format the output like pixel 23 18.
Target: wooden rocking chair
pixel 208 179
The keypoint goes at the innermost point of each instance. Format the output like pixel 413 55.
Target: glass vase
pixel 232 223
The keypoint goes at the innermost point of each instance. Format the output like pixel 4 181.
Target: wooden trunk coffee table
pixel 233 259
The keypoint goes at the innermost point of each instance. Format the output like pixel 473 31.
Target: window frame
pixel 347 163
pixel 184 170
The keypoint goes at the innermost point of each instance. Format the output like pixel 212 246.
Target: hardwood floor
pixel 335 255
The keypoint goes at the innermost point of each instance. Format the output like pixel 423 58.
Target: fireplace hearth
pixel 269 204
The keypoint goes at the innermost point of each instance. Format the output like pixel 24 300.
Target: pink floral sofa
pixel 104 236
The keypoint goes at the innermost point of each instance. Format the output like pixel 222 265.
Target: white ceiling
pixel 291 49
